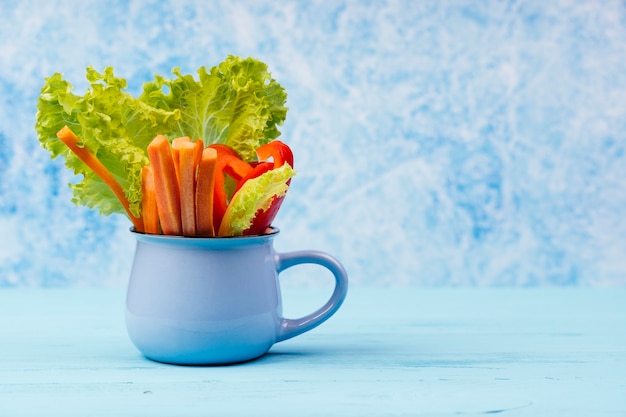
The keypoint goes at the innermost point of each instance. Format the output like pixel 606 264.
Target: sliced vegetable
pixel 189 156
pixel 149 209
pixel 72 142
pixel 255 195
pixel 166 185
pixel 205 193
pixel 176 145
pixel 276 150
pixel 258 169
pixel 281 154
pixel 264 219
pixel 228 163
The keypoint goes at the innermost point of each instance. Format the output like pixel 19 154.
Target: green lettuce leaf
pixel 254 195
pixel 236 103
pixel 112 124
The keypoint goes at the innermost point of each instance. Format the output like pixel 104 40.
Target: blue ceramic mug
pixel 202 301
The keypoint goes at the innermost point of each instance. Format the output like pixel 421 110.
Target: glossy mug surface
pixel 201 301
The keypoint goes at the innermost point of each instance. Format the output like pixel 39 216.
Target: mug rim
pixel 205 242
pixel 273 231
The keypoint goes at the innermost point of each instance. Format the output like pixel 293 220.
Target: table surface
pixel 387 352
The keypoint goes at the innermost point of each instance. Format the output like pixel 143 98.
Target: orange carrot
pixel 166 186
pixel 72 141
pixel 204 193
pixel 189 154
pixel 148 203
pixel 176 145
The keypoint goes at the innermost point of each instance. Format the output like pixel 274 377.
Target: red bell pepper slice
pixel 281 153
pixel 277 150
pixel 228 162
pixel 258 169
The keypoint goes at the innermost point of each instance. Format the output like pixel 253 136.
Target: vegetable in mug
pixel 163 158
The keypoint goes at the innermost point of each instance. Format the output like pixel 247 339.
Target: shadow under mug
pixel 208 301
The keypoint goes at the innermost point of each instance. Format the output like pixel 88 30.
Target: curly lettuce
pixel 236 103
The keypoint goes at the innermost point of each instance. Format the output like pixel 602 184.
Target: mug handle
pixel 293 327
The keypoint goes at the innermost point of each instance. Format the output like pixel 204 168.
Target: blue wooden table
pixel 387 352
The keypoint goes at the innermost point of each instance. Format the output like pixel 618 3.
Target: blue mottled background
pixel 436 142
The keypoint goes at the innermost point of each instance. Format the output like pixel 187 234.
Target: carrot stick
pixel 190 154
pixel 149 209
pixel 72 141
pixel 204 193
pixel 166 186
pixel 176 145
